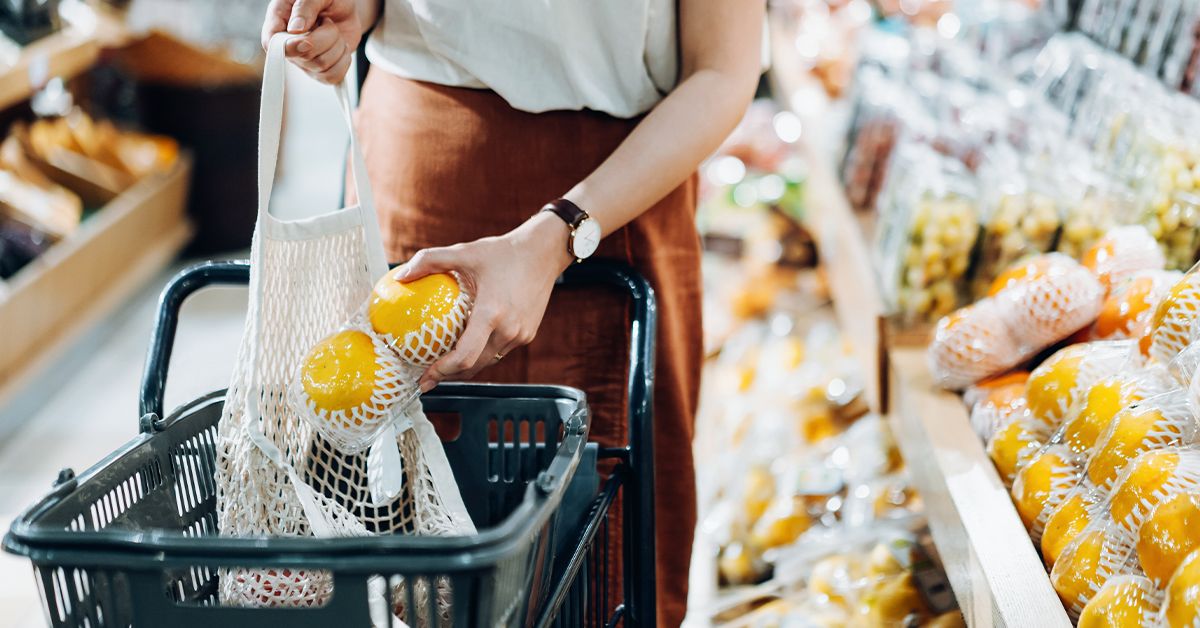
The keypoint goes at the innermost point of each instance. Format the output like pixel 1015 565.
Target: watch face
pixel 587 239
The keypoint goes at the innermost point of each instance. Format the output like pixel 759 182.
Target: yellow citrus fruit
pixel 889 601
pixel 1012 446
pixel 1122 601
pixel 737 565
pixel 339 372
pixel 1122 310
pixel 1065 523
pixel 1126 439
pixel 1074 575
pixel 1050 390
pixel 402 308
pixel 1097 256
pixel 1182 605
pixel 1169 535
pixel 1043 482
pixel 882 562
pixel 1172 327
pixel 1101 404
pixel 1146 476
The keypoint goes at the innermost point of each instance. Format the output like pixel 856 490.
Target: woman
pixel 478 114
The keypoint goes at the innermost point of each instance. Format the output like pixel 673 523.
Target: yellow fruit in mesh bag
pixel 970 344
pixel 1173 326
pixel 1181 606
pixel 1169 535
pixel 1121 312
pixel 1128 600
pixel 1123 441
pixel 1052 301
pixel 340 372
pixel 1013 446
pixel 738 565
pixel 1103 401
pixel 883 562
pixel 1051 388
pixel 1077 571
pixel 1067 521
pixel 1043 483
pixel 1139 489
pixel 399 309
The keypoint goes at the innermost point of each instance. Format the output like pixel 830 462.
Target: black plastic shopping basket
pixel 132 541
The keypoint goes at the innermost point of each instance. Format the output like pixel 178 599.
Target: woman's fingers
pixel 334 75
pixel 278 14
pixel 316 43
pixel 429 261
pixel 304 14
pixel 463 357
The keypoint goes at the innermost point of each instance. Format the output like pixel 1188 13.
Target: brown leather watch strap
pixel 568 211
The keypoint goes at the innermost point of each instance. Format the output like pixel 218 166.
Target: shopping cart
pixel 133 540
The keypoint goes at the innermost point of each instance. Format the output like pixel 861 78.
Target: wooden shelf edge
pixel 992 565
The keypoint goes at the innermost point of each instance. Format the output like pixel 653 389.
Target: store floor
pixel 86 406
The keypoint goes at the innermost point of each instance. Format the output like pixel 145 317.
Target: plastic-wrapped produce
pixel 1082 506
pixel 1000 405
pixel 972 343
pixel 1018 219
pixel 1128 600
pixel 1149 480
pixel 1181 606
pixel 1129 308
pixel 1065 377
pixel 1100 553
pixel 1169 535
pixel 1093 212
pixel 1107 397
pixel 928 225
pixel 1014 445
pixel 1043 484
pixel 1161 421
pixel 1122 253
pixel 1174 326
pixel 1053 297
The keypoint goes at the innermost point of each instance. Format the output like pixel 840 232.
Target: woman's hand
pixel 325 34
pixel 511 277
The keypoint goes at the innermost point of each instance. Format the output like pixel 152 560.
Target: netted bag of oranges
pixel 1051 297
pixel 1098 406
pixel 997 402
pixel 1101 552
pixel 1148 481
pixel 1127 600
pixel 1083 506
pixel 1165 420
pixel 359 380
pixel 1029 307
pixel 1181 603
pixel 1014 445
pixel 1129 308
pixel 1123 253
pixel 1042 484
pixel 1062 381
pixel 1174 325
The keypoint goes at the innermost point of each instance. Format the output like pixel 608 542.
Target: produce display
pixel 55 170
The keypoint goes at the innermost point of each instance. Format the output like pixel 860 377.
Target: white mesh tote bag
pixel 276 475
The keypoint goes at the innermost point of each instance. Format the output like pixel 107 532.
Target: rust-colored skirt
pixel 452 165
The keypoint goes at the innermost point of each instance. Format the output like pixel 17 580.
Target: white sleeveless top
pixel 614 56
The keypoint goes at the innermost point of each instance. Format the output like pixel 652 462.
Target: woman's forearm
pixel 721 41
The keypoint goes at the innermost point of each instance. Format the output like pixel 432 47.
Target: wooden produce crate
pixel 83 278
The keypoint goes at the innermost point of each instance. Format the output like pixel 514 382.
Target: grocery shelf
pixel 63 54
pixel 993 568
pixel 80 280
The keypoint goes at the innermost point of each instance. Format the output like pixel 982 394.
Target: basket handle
pixel 162 340
pixel 638 455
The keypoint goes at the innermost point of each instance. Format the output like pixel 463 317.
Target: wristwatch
pixel 585 231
